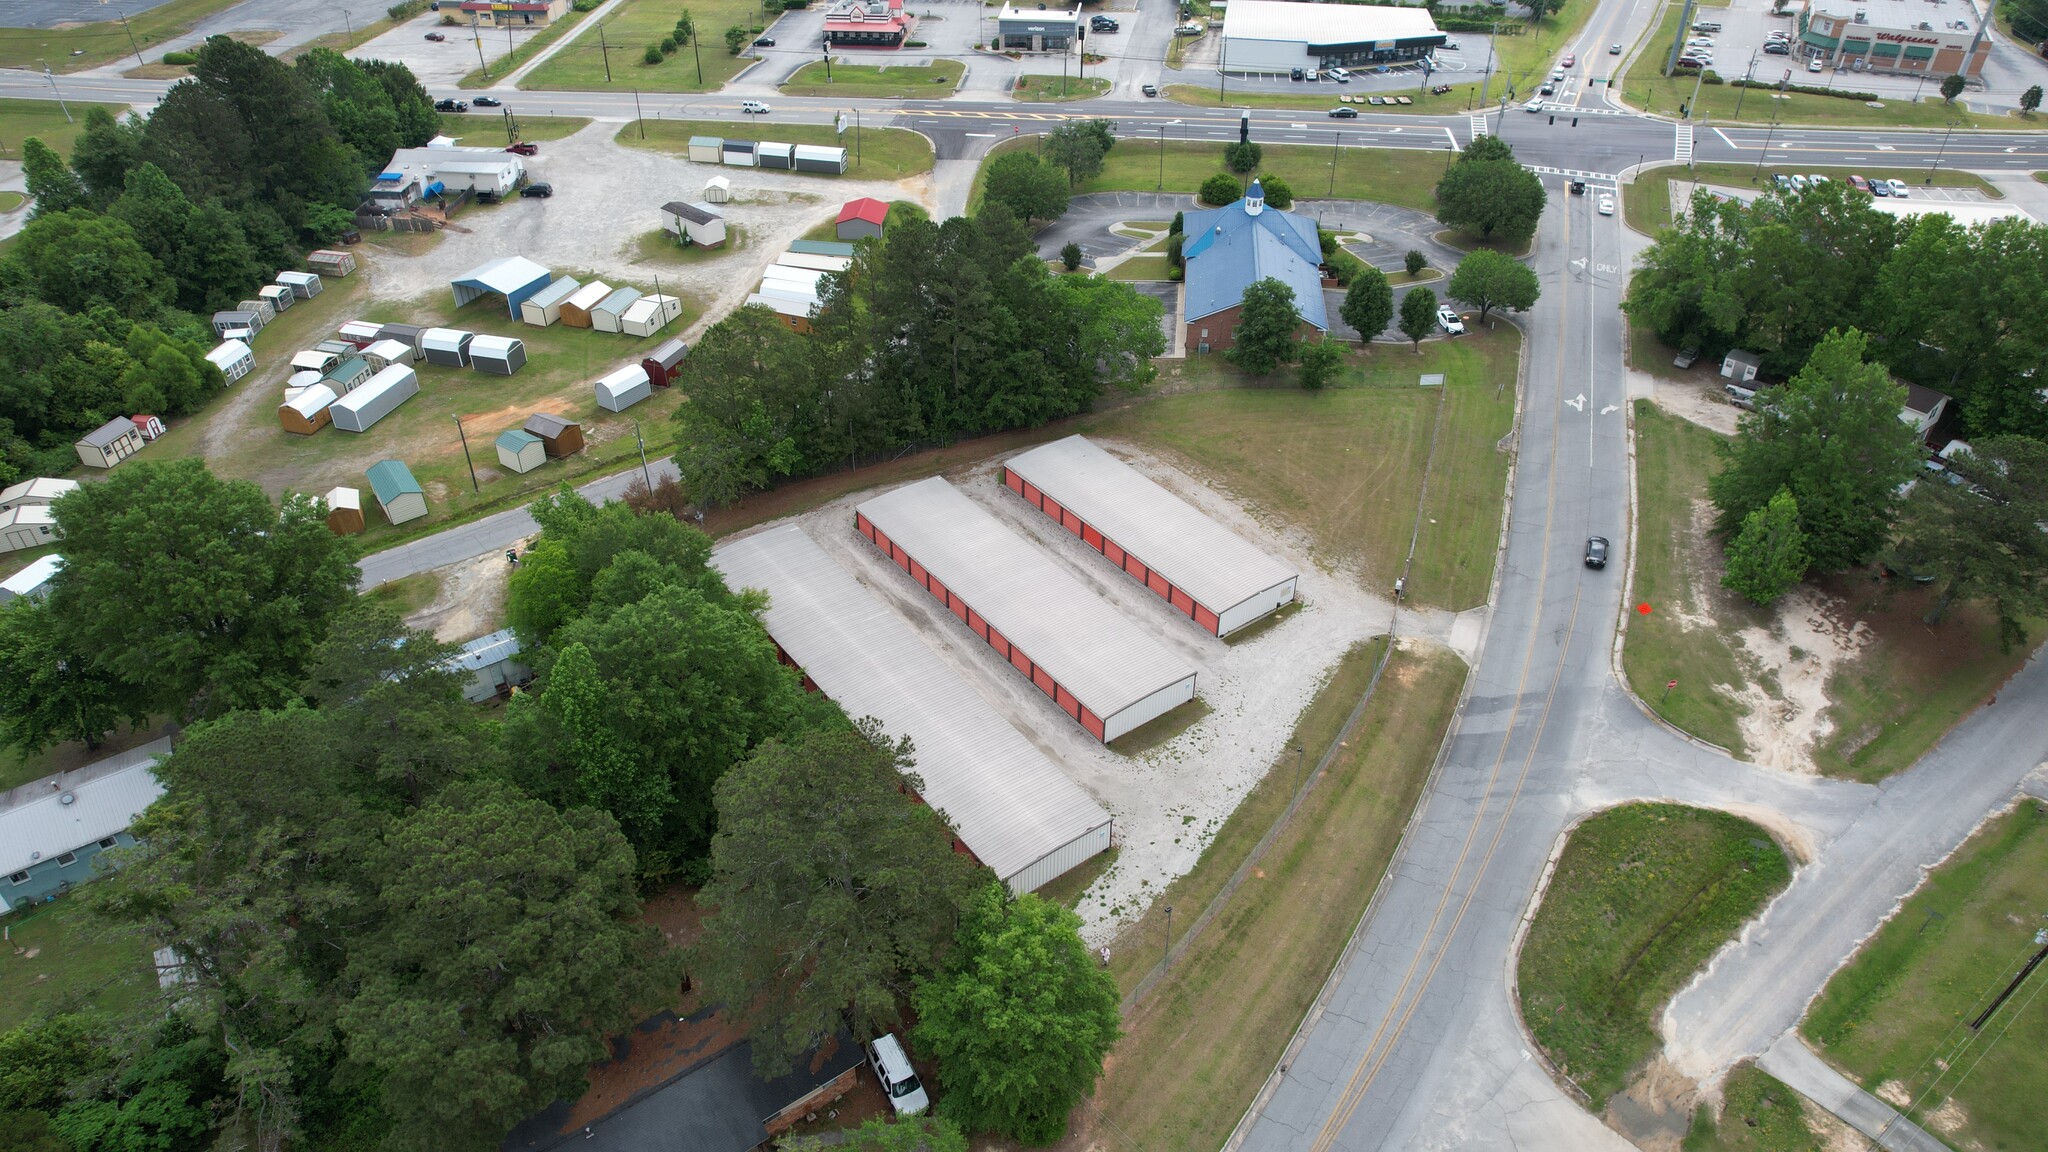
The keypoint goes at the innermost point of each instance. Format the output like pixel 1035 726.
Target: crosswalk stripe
pixel 1682 153
pixel 1478 127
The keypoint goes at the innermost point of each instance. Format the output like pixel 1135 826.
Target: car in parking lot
pixel 1898 188
pixel 1816 180
pixel 1688 64
pixel 1297 74
pixel 1607 205
pixel 1777 48
pixel 1686 358
pixel 1859 183
pixel 1450 322
pixel 1101 23
pixel 436 37
pixel 1340 75
pixel 1880 188
pixel 1699 42
pixel 488 102
pixel 451 106
pixel 1344 113
pixel 764 42
pixel 1596 551
pixel 1150 90
pixel 539 191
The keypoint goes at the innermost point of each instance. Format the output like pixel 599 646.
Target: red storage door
pixel 1091 537
pixel 1136 567
pixel 1157 583
pixel 1115 553
pixel 1036 497
pixel 1182 601
pixel 1013 482
pixel 1052 508
pixel 918 574
pixel 1206 618
pixel 1067 703
pixel 1020 661
pixel 1092 723
pixel 1070 522
pixel 976 624
pixel 1045 683
pixel 958 606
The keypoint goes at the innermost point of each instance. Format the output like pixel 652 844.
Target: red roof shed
pixel 862 218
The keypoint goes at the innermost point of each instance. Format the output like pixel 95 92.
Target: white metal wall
pixel 1150 708
pixel 1241 55
pixel 1060 861
pixel 1271 600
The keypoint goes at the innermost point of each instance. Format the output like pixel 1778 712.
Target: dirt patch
pixel 1700 401
pixel 471 601
pixel 1893 1092
pixel 1799 653
pixel 1949 1119
pixel 676 912
pixel 1656 1110
pixel 1834 1133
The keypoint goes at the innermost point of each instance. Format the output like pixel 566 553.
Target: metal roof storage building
pixel 1097 666
pixel 1010 805
pixel 489 666
pixel 624 388
pixel 304 285
pixel 233 358
pixel 307 412
pixel 32 582
pixel 819 158
pixel 347 375
pixel 448 347
pixel 383 354
pixel 277 296
pixel 663 362
pixel 331 262
pixel 37 490
pixel 360 409
pixel 577 305
pixel 1203 569
pixel 773 154
pixel 398 494
pixel 521 451
pixel 413 334
pixel 737 153
pixel 362 333
pixel 705 149
pixel 649 315
pixel 497 355
pixel 344 511
pixel 314 360
pixel 52 830
pixel 514 277
pixel 607 314
pixel 110 443
pixel 236 324
pixel 560 435
pixel 545 306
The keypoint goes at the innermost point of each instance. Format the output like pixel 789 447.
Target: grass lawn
pixel 16 769
pixel 1141 268
pixel 485 127
pixel 1648 207
pixel 1395 176
pixel 104 41
pixel 1318 99
pixel 876 81
pixel 1197 1049
pixel 1758 1114
pixel 1896 1016
pixel 76 961
pixel 407 594
pixel 1347 463
pixel 1058 89
pixel 660 247
pixel 9 201
pixel 628 31
pixel 43 119
pixel 883 153
pixel 1641 897
pixel 527 49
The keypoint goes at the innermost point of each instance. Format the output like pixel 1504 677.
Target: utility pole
pixel 828 67
pixel 52 78
pixel 1336 138
pixel 131 38
pixel 645 475
pixel 1222 68
pixel 1678 41
pixel 1765 154
pixel 605 48
pixel 1297 770
pixel 510 49
pixel 696 52
pixel 1939 152
pixel 477 37
pixel 465 455
pixel 1167 961
pixel 1748 75
pixel 638 118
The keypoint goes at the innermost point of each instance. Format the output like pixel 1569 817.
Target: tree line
pixel 935 332
pixel 154 224
pixel 402 924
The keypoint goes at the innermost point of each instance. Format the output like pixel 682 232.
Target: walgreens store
pixel 1920 37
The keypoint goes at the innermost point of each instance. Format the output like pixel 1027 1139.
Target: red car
pixel 1568 60
pixel 523 148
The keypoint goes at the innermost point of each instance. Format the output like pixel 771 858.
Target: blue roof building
pixel 1229 249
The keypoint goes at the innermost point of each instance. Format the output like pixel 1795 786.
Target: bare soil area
pixel 471 600
pixel 1796 657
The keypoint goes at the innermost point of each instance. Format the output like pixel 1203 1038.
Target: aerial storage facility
pixel 1207 572
pixel 1097 666
pixel 545 306
pixel 1011 806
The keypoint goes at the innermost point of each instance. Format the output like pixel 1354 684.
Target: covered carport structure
pixel 514 277
pixel 1008 803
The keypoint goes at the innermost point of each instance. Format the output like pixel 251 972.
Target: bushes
pixel 1243 157
pixel 403 10
pixel 584 5
pixel 1278 193
pixel 652 55
pixel 668 45
pixel 1805 89
pixel 1344 267
pixel 1219 190
pixel 184 58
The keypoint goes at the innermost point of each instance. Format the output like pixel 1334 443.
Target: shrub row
pixel 1806 89
pixel 406 9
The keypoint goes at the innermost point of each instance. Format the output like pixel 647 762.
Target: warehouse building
pixel 1097 666
pixel 1282 35
pixel 1207 572
pixel 515 278
pixel 52 829
pixel 1231 248
pixel 1010 805
pixel 1038 29
pixel 1916 37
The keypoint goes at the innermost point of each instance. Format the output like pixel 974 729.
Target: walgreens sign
pixel 1900 38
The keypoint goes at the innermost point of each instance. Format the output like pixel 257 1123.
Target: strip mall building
pixel 1918 37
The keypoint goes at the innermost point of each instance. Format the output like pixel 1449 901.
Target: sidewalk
pixel 1790 1060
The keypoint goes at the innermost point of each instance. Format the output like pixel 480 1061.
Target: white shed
pixel 520 450
pixel 1741 366
pixel 32 582
pixel 358 410
pixel 448 347
pixel 28 526
pixel 624 388
pixel 717 190
pixel 314 361
pixel 545 306
pixel 344 511
pixel 304 285
pixel 650 314
pixel 606 315
pixel 233 358
pixel 277 296
pixel 705 149
pixel 815 262
pixel 360 333
pixel 497 355
pixel 38 490
pixel 401 496
pixel 737 154
pixel 384 353
pixel 304 379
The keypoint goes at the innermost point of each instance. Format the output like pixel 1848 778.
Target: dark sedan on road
pixel 1596 552
pixel 451 106
pixel 1344 113
pixel 488 102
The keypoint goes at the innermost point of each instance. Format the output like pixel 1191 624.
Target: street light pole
pixel 1161 186
pixel 465 455
pixel 1167 960
pixel 1336 138
pixel 1747 76
pixel 1938 153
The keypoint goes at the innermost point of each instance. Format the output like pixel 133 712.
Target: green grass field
pixel 59 957
pixel 1394 176
pixel 1758 1114
pixel 1139 268
pixel 877 154
pixel 1641 897
pixel 1347 463
pixel 660 247
pixel 581 67
pixel 1198 1047
pixel 880 82
pixel 486 128
pixel 522 51
pixel 407 594
pixel 1058 89
pixel 1895 1018
pixel 43 119
pixel 104 41
pixel 1648 206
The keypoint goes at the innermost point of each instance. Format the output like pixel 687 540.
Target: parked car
pixel 1880 188
pixel 1189 29
pixel 488 102
pixel 1813 65
pixel 1816 180
pixel 1345 112
pixel 1450 46
pixel 1297 75
pixel 539 191
pixel 1898 188
pixel 451 106
pixel 1859 183
pixel 1699 42
pixel 893 1072
pixel 764 41
pixel 1450 322
pixel 436 37
pixel 1688 63
pixel 753 106
pixel 1342 76
pixel 1578 187
pixel 1778 48
pixel 1596 551
pixel 1150 90
pixel 524 148
pixel 1686 358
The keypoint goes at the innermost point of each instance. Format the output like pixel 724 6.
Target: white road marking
pixel 1725 139
pixel 1610 408
pixel 1578 402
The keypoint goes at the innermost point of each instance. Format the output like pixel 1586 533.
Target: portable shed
pixel 384 353
pixel 304 285
pixel 822 247
pixel 227 325
pixel 737 154
pixel 307 412
pixel 795 313
pixel 623 389
pixel 28 526
pixel 606 314
pixel 1094 663
pixel 795 259
pixel 819 158
pixel 32 582
pixel 413 334
pixel 1007 801
pixel 361 333
pixel 347 375
pixel 706 149
pixel 109 444
pixel 560 435
pixel 264 309
pixel 398 494
pixel 302 380
pixel 448 347
pixel 804 280
pixel 649 315
pixel 360 409
pixel 1741 366
pixel 497 355
pixel 338 347
pixel 314 361
pixel 331 262
pixel 514 277
pixel 1205 571
pixel 662 363
pixel 693 223
pixel 770 154
pixel 344 511
pixel 862 219
pixel 233 358
pixel 277 296
pixel 718 190
pixel 521 451
pixel 545 306
pixel 150 427
pixel 576 307
pixel 490 666
pixel 41 490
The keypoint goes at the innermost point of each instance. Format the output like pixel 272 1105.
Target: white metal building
pixel 1096 665
pixel 1206 571
pixel 360 409
pixel 32 582
pixel 1010 805
pixel 624 388
pixel 490 666
pixel 1281 35
pixel 27 526
pixel 40 490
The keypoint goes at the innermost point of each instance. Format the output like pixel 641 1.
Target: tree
pixel 106 151
pixel 1320 362
pixel 1492 280
pixel 1490 197
pixel 735 39
pixel 921 1133
pixel 51 182
pixel 1832 437
pixel 1220 189
pixel 829 889
pixel 81 260
pixel 2030 100
pixel 1768 555
pixel 1952 87
pixel 1538 9
pixel 653 55
pixel 1279 194
pixel 608 773
pixel 1020 1019
pixel 1418 315
pixel 1110 334
pixel 1179 223
pixel 1369 303
pixel 506 944
pixel 195 593
pixel 49 691
pixel 1078 147
pixel 1243 156
pixel 1029 187
pixel 1982 540
pixel 1266 324
pixel 1070 256
pixel 1414 262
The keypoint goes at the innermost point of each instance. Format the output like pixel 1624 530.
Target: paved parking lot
pixel 50 13
pixel 1738 48
pixel 439 64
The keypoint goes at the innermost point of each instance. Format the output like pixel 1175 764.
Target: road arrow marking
pixel 1578 402
pixel 1609 408
pixel 1580 263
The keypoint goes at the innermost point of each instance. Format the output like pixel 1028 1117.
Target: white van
pixel 893 1073
pixel 753 106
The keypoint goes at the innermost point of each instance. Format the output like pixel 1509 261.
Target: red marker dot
pixel 1643 608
